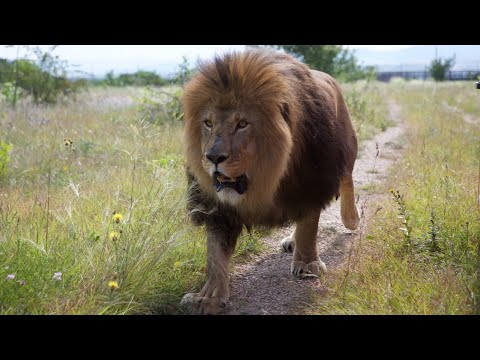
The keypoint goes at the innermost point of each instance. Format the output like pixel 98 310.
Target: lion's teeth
pixel 223 178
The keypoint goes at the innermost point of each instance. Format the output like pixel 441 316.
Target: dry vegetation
pixel 420 253
pixel 58 200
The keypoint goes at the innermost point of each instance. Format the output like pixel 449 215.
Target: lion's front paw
pixel 288 244
pixel 202 305
pixel 313 269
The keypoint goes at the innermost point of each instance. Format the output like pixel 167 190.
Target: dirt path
pixel 265 285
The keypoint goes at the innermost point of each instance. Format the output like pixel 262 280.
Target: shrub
pixel 439 68
pixel 4 157
pixel 8 92
pixel 44 78
pixel 139 78
pixel 158 106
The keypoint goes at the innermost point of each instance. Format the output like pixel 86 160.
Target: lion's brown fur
pixel 304 138
pixel 296 148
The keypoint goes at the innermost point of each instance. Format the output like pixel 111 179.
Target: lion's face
pixel 239 155
pixel 238 142
pixel 229 149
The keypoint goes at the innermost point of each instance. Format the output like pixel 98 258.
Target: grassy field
pixel 73 166
pixel 420 253
pixel 57 208
pixel 368 108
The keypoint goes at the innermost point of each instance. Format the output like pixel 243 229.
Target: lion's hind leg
pixel 305 262
pixel 348 207
pixel 288 243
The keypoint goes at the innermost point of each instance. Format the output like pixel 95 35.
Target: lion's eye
pixel 208 124
pixel 242 124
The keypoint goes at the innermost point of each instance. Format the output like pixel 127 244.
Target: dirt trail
pixel 265 285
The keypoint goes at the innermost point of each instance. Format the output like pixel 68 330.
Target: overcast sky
pixel 99 59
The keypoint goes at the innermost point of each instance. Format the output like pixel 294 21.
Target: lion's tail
pixel 348 207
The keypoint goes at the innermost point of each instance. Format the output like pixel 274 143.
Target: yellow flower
pixel 117 217
pixel 67 142
pixel 113 285
pixel 392 191
pixel 177 264
pixel 113 235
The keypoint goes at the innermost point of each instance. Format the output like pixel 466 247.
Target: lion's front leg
pixel 212 299
pixel 305 260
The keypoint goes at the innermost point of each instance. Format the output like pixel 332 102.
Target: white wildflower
pixel 57 276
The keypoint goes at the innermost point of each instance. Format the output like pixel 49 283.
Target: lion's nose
pixel 217 158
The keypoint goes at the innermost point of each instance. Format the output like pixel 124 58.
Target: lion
pixel 268 142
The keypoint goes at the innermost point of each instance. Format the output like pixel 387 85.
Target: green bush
pixel 439 68
pixel 8 92
pixel 4 157
pixel 365 101
pixel 159 106
pixel 184 72
pixel 44 78
pixel 139 78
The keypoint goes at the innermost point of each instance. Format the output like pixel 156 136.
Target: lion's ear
pixel 285 111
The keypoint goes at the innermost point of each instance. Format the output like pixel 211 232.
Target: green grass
pixel 57 204
pixel 463 99
pixel 420 253
pixel 367 106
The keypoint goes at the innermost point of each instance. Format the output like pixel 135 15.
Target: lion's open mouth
pixel 221 181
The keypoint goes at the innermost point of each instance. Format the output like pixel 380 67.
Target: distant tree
pixel 335 60
pixel 139 78
pixel 158 105
pixel 439 67
pixel 184 72
pixel 44 78
pixel 110 79
pixel 143 78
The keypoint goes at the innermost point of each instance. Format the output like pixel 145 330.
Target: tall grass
pixel 72 167
pixel 421 250
pixel 58 202
pixel 365 100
